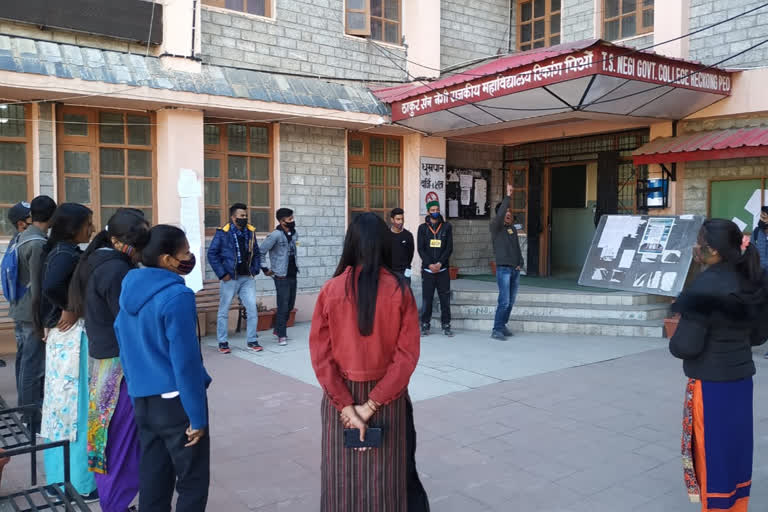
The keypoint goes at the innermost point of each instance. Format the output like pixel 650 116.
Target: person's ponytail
pixel 79 282
pixel 749 264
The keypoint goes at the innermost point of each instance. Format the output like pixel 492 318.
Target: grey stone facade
pixel 577 20
pixel 306 37
pixel 45 145
pixel 472 30
pixel 722 41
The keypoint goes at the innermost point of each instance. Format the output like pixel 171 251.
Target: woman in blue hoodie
pixel 166 378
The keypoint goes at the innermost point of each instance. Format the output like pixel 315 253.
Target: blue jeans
pixel 508 280
pixel 245 288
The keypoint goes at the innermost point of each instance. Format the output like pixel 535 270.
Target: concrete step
pixel 565 310
pixel 565 325
pixel 559 297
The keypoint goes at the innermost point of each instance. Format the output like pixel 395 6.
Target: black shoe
pixel 254 345
pixel 91 498
pixel 425 329
pixel 498 335
pixel 447 331
pixel 506 332
pixel 224 348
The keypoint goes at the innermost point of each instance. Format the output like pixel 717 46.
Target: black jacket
pixel 722 317
pixel 506 244
pixel 431 255
pixel 106 268
pixel 57 273
pixel 402 250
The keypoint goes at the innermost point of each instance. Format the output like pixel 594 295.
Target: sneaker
pixel 282 341
pixel 425 329
pixel 91 498
pixel 254 345
pixel 224 348
pixel 766 355
pixel 498 335
pixel 506 332
pixel 447 331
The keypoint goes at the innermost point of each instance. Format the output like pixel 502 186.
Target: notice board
pixel 642 254
pixel 467 193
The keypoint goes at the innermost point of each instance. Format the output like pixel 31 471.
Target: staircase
pixel 553 311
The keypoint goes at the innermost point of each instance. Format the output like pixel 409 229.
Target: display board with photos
pixel 467 193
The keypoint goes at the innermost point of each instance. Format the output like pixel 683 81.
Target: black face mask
pixel 186 266
pixel 291 225
pixel 762 225
pixel 241 223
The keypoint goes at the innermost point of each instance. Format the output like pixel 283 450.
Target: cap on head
pixel 282 213
pixel 19 212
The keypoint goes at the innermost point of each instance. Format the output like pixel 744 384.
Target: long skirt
pixel 717 444
pixel 65 407
pixel 113 440
pixel 380 480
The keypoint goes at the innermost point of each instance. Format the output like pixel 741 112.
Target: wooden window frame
pixel 640 9
pixel 512 209
pixel 365 163
pixel 27 140
pixel 370 19
pixel 222 4
pixel 92 144
pixel 547 18
pixel 221 152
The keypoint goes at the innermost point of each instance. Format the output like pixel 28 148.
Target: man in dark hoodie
pixel 509 261
pixel 435 245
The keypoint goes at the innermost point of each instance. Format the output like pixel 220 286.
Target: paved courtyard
pixel 537 423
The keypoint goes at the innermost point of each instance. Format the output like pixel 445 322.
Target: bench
pixel 208 302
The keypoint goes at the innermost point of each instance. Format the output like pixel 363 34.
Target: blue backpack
pixel 12 288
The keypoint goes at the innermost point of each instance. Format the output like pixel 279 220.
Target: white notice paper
pixel 480 195
pixel 189 185
pixel 453 208
pixel 189 189
pixel 465 181
pixel 465 196
pixel 742 225
pixel 626 258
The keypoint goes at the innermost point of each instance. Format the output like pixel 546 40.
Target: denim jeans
pixel 19 333
pixel 245 288
pixel 30 361
pixel 285 289
pixel 508 280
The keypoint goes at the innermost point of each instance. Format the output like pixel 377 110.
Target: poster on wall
pixel 432 181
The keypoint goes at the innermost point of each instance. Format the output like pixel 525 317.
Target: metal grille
pixel 628 177
pixel 623 142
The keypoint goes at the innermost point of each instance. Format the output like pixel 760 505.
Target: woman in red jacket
pixel 364 345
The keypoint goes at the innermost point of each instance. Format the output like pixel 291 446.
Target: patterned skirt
pixel 379 480
pixel 717 444
pixel 105 376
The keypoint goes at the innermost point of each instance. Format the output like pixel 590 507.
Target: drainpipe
pixel 194 24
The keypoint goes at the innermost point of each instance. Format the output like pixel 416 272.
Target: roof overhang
pixel 712 145
pixel 586 77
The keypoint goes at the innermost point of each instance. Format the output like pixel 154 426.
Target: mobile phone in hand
pixel 373 438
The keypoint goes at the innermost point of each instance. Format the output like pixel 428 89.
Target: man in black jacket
pixel 435 244
pixel 509 261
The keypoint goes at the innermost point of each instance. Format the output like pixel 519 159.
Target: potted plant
pixel 454 272
pixel 266 317
pixel 493 267
pixel 291 316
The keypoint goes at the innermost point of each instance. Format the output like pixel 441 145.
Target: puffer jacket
pixel 222 254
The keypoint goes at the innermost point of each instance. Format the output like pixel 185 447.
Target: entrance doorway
pixel 571 225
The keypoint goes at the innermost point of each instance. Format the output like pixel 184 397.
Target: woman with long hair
pixel 723 315
pixel 65 399
pixel 113 442
pixel 364 344
pixel 165 374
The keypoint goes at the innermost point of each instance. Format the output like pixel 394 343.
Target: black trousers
pixel 442 282
pixel 165 462
pixel 417 496
pixel 285 289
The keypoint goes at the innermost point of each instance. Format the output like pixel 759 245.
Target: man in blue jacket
pixel 235 258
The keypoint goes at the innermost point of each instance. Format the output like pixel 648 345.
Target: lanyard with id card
pixel 435 243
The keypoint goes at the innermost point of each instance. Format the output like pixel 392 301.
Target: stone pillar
pixel 181 35
pixel 671 20
pixel 422 35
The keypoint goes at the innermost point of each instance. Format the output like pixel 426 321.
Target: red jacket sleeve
pixel 321 353
pixel 406 356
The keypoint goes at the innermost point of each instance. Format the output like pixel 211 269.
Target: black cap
pixel 19 211
pixel 764 209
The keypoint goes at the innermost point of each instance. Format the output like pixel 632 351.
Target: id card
pixel 435 244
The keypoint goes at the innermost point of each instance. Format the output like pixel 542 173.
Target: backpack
pixel 12 289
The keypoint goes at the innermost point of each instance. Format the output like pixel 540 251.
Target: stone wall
pixel 577 20
pixel 717 43
pixel 471 30
pixel 306 36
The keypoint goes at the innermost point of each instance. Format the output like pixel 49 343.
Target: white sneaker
pixel 282 342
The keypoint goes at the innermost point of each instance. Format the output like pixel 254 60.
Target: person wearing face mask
pixel 166 378
pixel 760 237
pixel 509 261
pixel 280 245
pixel 235 258
pixel 402 245
pixel 435 244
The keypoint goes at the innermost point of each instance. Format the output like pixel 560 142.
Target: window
pixel 626 18
pixel 15 161
pixel 106 160
pixel 518 178
pixel 375 174
pixel 257 7
pixel 238 169
pixel 379 19
pixel 538 24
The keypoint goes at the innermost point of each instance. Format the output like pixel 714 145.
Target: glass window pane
pixel 393 177
pixel 539 8
pixel 525 47
pixel 554 24
pixel 356 197
pixel 212 168
pixel 612 30
pixel 648 18
pixel 77 190
pixel 257 7
pixel 260 220
pixel 6 228
pixel 392 10
pixel 355 147
pixel 235 5
pixel 112 192
pixel 111 128
pixel 518 199
pixel 259 194
pixel 12 121
pixel 238 168
pixel 526 11
pixel 377 198
pixel 139 130
pixel 356 176
pixel 356 4
pixel 106 213
pixel 140 192
pixel 393 151
pixel 539 29
pixel 13 157
pixel 112 161
pixel 212 193
pixel 139 163
pixel 554 40
pixel 259 139
pixel 611 8
pixel 518 179
pixel 647 3
pixel 355 21
pixel 377 175
pixel 525 33
pixel 391 33
pixel 519 218
pixel 628 6
pixel 377 33
pixel 376 9
pixel 377 149
pixel 13 188
pixel 628 26
pixel 554 5
pixel 211 135
pixel 393 198
pixel 238 192
pixel 75 125
pixel 212 217
pixel 237 136
pixel 77 162
pixel 260 169
pixel 539 44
